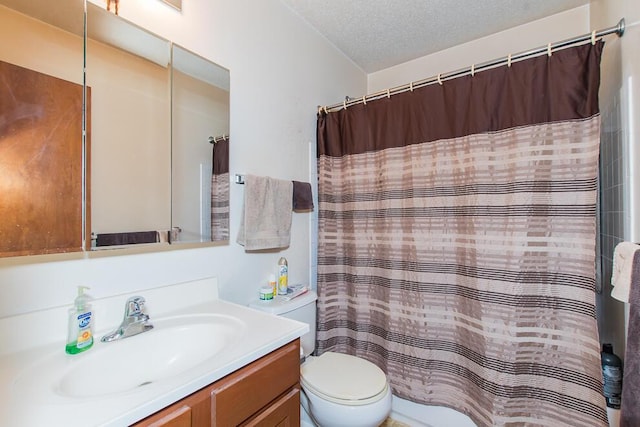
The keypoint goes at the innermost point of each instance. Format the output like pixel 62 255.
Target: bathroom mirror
pixel 155 106
pixel 128 71
pixel 42 151
pixel 129 91
pixel 200 124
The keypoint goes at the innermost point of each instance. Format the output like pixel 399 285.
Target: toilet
pixel 338 390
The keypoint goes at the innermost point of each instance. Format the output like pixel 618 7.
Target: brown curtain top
pixel 536 90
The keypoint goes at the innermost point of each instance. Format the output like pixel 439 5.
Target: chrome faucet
pixel 135 321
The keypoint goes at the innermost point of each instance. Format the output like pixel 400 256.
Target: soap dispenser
pixel 80 336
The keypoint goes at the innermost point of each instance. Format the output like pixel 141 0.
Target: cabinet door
pixel 285 412
pixel 241 395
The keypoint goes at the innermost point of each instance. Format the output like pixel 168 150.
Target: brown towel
pixel 302 197
pixel 630 409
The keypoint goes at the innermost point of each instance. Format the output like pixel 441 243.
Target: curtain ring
pixel 325 110
pixel 593 37
pixel 388 93
pixel 473 70
pixel 439 79
pixel 411 86
pixel 509 61
pixel 344 104
pixel 364 100
pixel 549 49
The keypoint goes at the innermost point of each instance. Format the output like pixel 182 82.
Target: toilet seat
pixel 344 379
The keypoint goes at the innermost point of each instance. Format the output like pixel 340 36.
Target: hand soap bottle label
pixel 85 337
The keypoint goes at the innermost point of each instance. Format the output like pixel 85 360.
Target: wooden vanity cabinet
pixel 265 393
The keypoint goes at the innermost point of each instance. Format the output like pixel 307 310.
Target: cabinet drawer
pixel 238 396
pixel 284 412
pixel 192 411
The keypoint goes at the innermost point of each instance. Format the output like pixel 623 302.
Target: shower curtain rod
pixel 507 60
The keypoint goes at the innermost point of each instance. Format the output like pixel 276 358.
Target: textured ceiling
pixel 377 34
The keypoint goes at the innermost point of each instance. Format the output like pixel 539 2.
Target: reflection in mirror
pixel 129 76
pixel 200 138
pixel 220 190
pixel 41 144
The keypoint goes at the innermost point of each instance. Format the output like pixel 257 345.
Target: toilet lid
pixel 343 377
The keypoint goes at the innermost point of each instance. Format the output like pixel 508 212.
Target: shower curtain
pixel 220 191
pixel 457 240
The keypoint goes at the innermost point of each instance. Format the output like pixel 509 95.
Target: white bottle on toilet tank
pixel 283 276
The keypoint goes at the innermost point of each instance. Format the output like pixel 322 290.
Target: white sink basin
pixel 175 346
pixel 197 340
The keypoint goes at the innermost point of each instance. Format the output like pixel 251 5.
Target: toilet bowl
pixel 338 390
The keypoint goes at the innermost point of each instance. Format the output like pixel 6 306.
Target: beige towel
pixel 630 412
pixel 622 270
pixel 266 217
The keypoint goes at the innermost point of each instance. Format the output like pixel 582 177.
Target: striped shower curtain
pixel 457 240
pixel 220 191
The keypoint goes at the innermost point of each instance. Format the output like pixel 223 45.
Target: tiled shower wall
pixel 613 224
pixel 612 179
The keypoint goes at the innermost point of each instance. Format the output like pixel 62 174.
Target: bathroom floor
pixel 393 423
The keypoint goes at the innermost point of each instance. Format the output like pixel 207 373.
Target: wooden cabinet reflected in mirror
pixel 40 159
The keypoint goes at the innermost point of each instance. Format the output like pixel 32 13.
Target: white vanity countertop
pixel 28 402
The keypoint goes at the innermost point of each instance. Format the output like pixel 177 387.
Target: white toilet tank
pixel 301 308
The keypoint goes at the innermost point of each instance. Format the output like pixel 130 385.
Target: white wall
pixel 280 72
pixel 538 33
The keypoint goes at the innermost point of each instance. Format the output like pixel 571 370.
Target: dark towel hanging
pixel 131 238
pixel 302 197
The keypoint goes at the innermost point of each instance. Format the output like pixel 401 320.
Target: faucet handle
pixel 135 306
